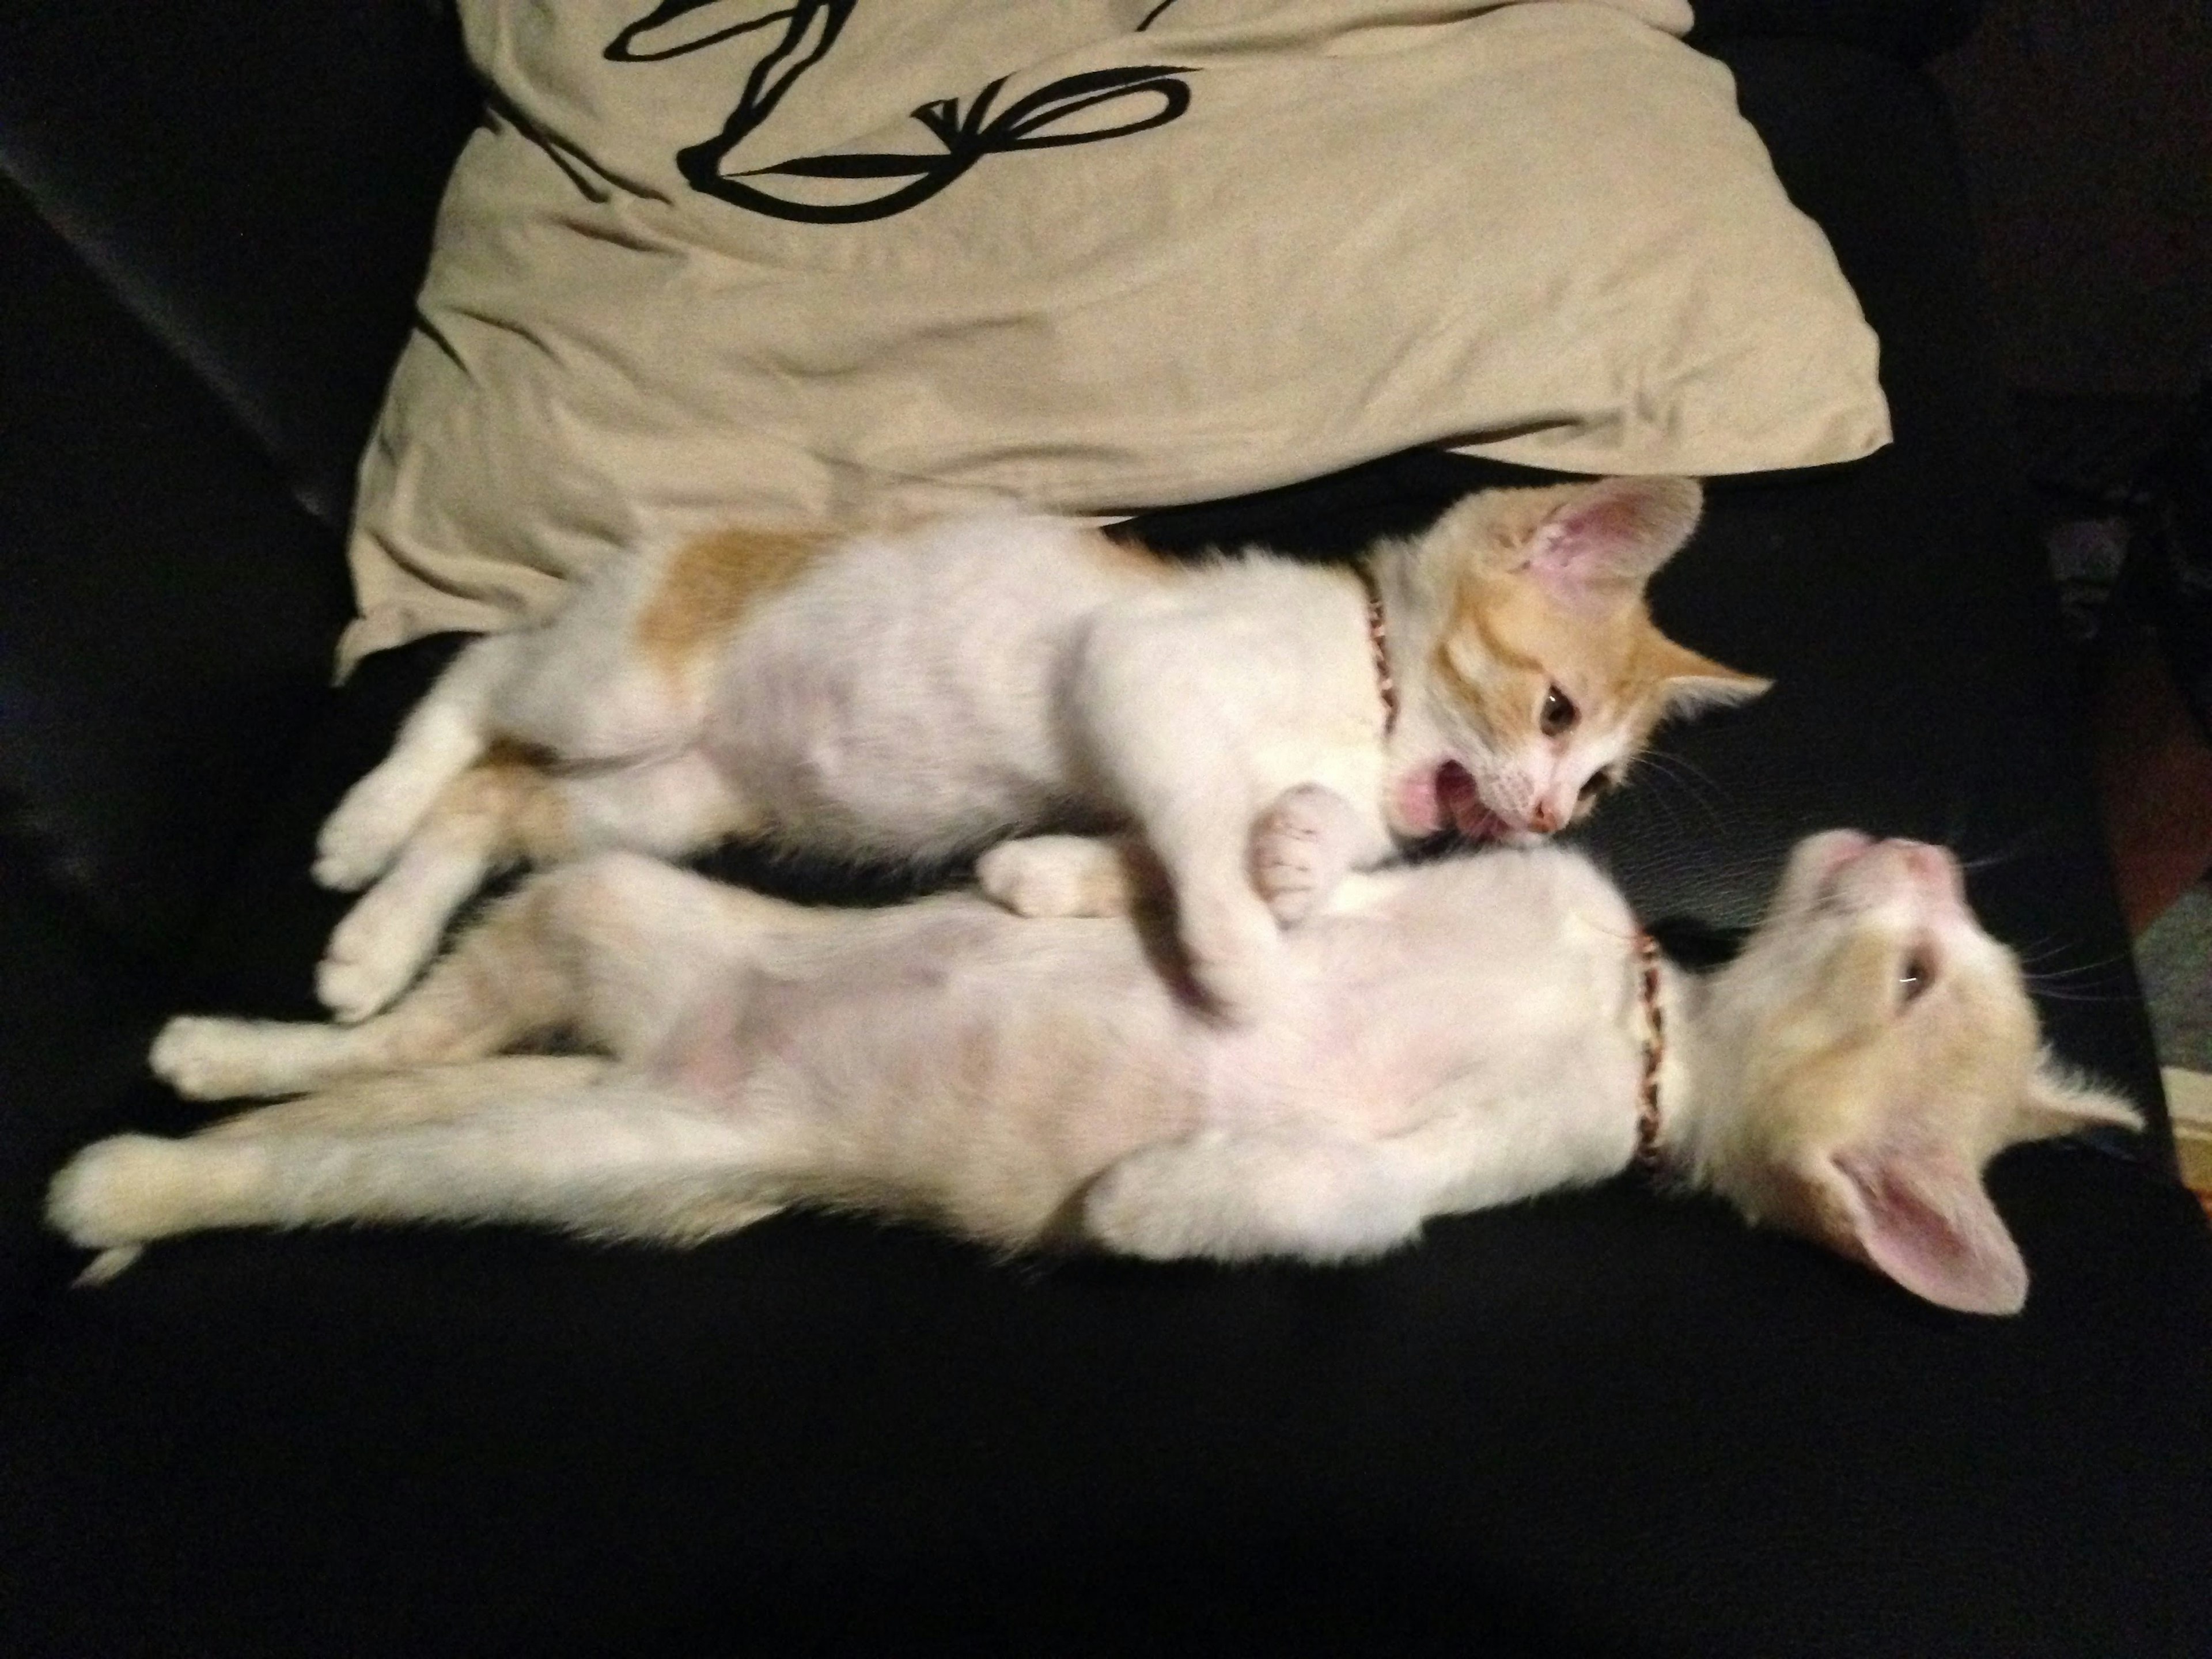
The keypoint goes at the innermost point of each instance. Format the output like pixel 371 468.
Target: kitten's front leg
pixel 1230 942
pixel 1234 1197
pixel 1175 764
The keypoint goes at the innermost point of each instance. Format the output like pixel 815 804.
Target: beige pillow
pixel 776 259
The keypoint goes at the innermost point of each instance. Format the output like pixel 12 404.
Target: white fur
pixel 947 1060
pixel 1448 1037
pixel 925 694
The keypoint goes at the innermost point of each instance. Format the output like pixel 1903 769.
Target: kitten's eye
pixel 1596 785
pixel 1559 712
pixel 1914 978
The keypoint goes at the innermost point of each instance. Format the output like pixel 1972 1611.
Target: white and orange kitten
pixel 1450 1035
pixel 927 693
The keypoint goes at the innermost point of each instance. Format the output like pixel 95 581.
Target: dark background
pixel 2087 132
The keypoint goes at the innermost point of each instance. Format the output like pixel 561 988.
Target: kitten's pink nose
pixel 1934 868
pixel 1542 819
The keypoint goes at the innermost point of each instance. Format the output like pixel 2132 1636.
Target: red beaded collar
pixel 1378 643
pixel 1655 1051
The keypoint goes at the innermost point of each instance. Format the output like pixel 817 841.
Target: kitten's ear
pixel 1921 1215
pixel 1603 543
pixel 2058 1103
pixel 1690 683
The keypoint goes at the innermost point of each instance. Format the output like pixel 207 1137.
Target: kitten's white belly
pixel 931 694
pixel 985 1067
pixel 902 700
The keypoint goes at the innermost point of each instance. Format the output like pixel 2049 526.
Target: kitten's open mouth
pixel 1461 802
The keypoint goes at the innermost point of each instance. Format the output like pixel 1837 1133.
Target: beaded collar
pixel 1655 1051
pixel 1378 643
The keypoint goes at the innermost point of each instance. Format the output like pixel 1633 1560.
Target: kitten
pixel 1454 1034
pixel 920 695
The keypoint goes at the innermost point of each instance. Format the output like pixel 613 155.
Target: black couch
pixel 1608 1423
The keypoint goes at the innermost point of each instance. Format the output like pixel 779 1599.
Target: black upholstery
pixel 1605 1423
pixel 256 183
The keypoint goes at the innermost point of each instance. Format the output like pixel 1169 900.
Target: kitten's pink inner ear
pixel 1601 547
pixel 1923 1218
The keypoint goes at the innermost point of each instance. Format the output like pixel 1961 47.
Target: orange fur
pixel 1132 558
pixel 1508 642
pixel 509 803
pixel 713 581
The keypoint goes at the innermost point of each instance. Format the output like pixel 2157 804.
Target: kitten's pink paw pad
pixel 1301 848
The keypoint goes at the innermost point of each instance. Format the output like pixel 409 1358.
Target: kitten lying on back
pixel 920 695
pixel 1451 1036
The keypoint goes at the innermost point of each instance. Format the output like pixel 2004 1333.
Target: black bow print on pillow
pixel 675 27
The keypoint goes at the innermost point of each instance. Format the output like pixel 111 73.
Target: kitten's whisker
pixel 1676 825
pixel 1674 770
pixel 2045 994
pixel 2055 979
pixel 2006 854
pixel 2032 956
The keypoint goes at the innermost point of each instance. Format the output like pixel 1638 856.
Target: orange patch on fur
pixel 1524 639
pixel 1132 558
pixel 1617 666
pixel 713 581
pixel 508 801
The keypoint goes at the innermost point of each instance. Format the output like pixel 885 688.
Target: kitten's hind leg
pixel 506 980
pixel 1235 1197
pixel 505 808
pixel 444 734
pixel 616 1161
pixel 1069 875
pixel 610 949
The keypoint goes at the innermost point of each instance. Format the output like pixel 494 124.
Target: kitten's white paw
pixel 206 1058
pixel 1139 1206
pixel 117 1191
pixel 1055 876
pixel 353 989
pixel 1236 1200
pixel 1301 850
pixel 374 955
pixel 360 839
